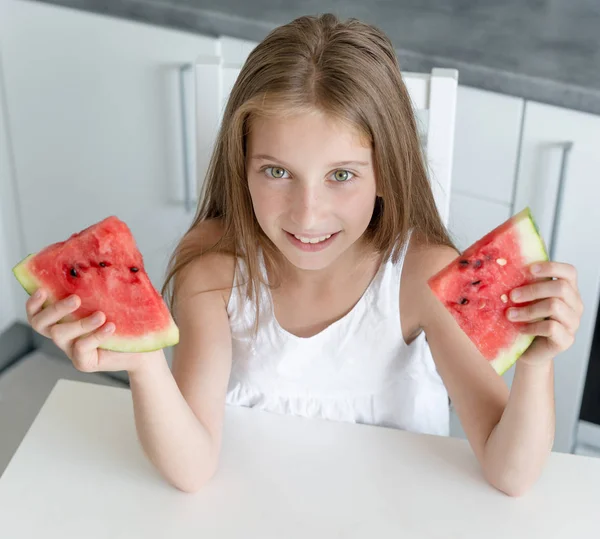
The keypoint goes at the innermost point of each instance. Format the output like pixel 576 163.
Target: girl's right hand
pixel 79 340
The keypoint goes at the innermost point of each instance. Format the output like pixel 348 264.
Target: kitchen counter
pixel 542 50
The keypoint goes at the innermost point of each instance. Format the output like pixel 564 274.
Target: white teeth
pixel 312 240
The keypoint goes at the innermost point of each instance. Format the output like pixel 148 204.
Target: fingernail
pixel 96 318
pixel 72 301
pixel 513 313
pixel 536 268
pixel 516 294
pixel 37 294
pixel 108 327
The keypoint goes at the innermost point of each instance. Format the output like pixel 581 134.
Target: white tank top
pixel 359 369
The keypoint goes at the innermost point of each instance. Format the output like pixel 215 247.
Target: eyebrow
pixel 265 157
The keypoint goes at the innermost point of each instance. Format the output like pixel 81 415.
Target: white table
pixel 80 472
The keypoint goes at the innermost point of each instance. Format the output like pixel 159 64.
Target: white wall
pixel 12 296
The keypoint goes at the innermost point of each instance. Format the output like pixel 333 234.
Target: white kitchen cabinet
pixel 472 217
pixel 95 118
pixel 486 144
pixel 558 179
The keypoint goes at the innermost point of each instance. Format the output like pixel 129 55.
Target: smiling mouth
pixel 318 239
pixel 311 243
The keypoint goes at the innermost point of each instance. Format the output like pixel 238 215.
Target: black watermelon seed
pixel 134 269
pixel 464 262
pixel 475 283
pixel 463 301
pixel 102 264
pixel 73 272
pixel 478 263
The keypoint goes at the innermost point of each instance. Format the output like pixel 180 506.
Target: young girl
pixel 301 287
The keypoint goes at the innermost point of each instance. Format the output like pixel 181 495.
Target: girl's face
pixel 312 185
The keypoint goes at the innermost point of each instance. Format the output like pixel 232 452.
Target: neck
pixel 353 262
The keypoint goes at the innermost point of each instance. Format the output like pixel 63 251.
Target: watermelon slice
pixel 103 266
pixel 475 287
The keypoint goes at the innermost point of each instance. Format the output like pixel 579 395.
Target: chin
pixel 314 261
pixel 310 263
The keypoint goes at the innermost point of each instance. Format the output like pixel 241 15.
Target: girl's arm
pixel 518 445
pixel 529 418
pixel 179 415
pixel 511 433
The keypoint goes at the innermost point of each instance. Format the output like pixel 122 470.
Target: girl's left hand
pixel 556 302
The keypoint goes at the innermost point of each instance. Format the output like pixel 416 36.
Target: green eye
pixel 342 176
pixel 276 172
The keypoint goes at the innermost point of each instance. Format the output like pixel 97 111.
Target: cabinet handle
pixel 566 150
pixel 185 142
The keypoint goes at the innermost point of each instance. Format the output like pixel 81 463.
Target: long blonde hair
pixel 349 70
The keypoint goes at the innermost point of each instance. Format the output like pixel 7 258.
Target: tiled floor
pixel 23 390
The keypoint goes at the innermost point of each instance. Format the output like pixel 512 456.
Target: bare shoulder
pixel 208 270
pixel 422 261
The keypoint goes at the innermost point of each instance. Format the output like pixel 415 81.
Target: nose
pixel 307 205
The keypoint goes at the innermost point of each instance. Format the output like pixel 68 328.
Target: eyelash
pixel 349 180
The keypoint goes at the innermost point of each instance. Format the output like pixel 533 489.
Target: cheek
pixel 266 201
pixel 358 206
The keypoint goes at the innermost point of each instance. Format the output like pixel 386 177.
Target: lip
pixel 311 247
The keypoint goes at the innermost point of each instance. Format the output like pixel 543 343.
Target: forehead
pixel 313 133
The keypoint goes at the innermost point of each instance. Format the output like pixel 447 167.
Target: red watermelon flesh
pixel 103 266
pixel 475 287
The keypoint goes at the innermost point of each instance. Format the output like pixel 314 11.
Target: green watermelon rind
pixel 25 278
pixel 533 247
pixel 508 357
pixel 146 343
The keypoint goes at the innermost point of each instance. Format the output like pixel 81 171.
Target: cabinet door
pixel 95 107
pixel 486 144
pixel 471 218
pixel 560 144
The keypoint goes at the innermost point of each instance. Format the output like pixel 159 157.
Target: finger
pixel 53 313
pixel 566 272
pixel 558 270
pixel 34 303
pixel 554 308
pixel 85 349
pixel 62 334
pixel 558 288
pixel 558 336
